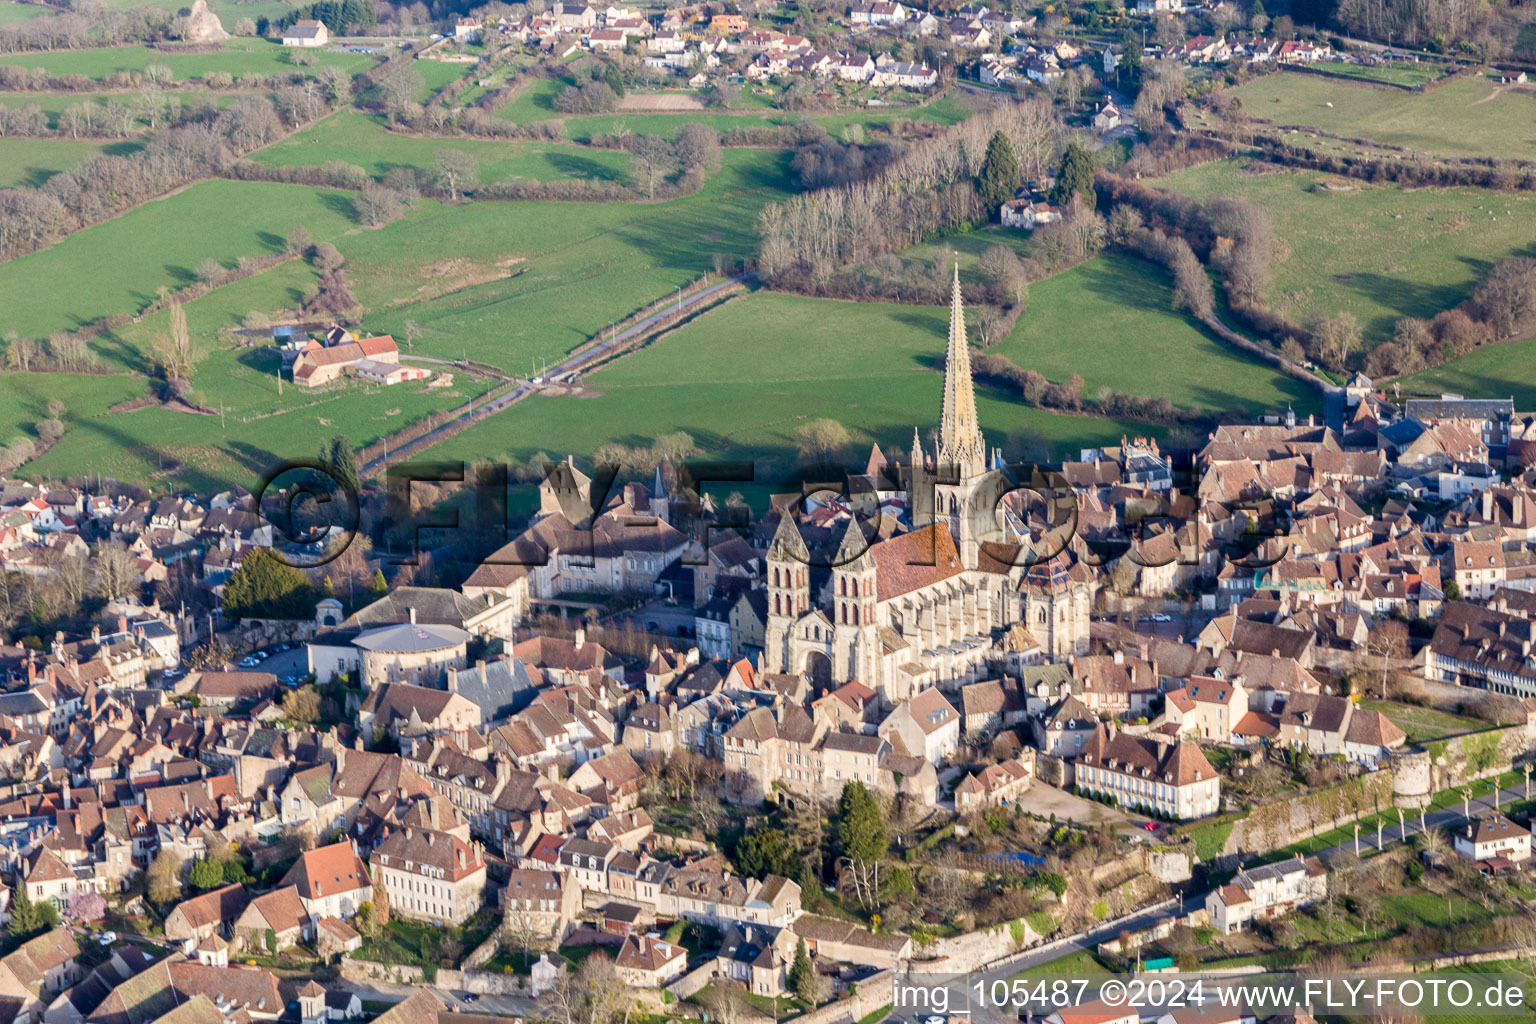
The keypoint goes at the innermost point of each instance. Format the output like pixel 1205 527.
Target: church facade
pixel 931 606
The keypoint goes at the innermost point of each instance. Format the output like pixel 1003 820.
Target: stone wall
pixel 693 981
pixel 967 952
pixel 1288 821
pixel 485 983
pixel 871 994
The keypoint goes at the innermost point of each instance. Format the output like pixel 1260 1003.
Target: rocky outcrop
pixel 202 25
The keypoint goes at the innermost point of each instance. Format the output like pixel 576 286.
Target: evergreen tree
pixel 380 584
pixel 1075 177
pixel 342 460
pixel 1000 176
pixel 206 874
pixel 862 839
pixel 802 976
pixel 25 920
pixel 612 77
pixel 267 587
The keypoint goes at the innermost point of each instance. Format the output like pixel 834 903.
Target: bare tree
pixel 453 169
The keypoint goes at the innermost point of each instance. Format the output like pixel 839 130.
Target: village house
pixel 429 875
pixel 306 33
pixel 1174 780
pixel 1492 836
pixel 1265 892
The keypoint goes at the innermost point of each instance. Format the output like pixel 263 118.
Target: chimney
pixel 1487 503
pixel 408 831
pixel 96 634
pixel 412 613
pixel 453 680
pixel 1119 657
pixel 580 637
pixel 122 623
pixel 341 759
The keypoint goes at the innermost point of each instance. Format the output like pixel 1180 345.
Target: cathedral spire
pixel 960 443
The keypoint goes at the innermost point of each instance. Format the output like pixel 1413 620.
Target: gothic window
pixel 1042 614
pixel 844 583
pixel 855 588
pixel 855 615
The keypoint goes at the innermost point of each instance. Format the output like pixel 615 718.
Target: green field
pixel 357 138
pixel 1395 73
pixel 259 428
pixel 239 56
pixel 1495 371
pixel 228 11
pixel 1468 117
pixel 741 378
pixel 1379 252
pixel 579 267
pixel 1424 723
pixel 435 74
pixel 12 13
pixel 31 162
pixel 127 259
pixel 536 103
pixel 1112 321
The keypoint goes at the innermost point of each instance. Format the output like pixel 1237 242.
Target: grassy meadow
pixel 12 13
pixel 577 268
pixel 1379 252
pixel 1495 371
pixel 1471 116
pixel 28 163
pixel 742 377
pixel 1112 321
pixel 238 57
pixel 358 138
pixel 535 102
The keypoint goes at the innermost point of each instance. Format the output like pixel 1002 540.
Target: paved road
pixel 579 361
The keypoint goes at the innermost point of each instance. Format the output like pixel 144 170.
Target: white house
pixel 306 33
pixel 1493 836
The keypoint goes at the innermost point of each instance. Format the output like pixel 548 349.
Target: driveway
pixel 1045 800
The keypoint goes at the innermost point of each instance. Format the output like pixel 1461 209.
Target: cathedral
pixel 936 605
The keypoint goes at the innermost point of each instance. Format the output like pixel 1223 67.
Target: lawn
pixel 437 73
pixel 1495 371
pixel 1112 321
pixel 1380 252
pixel 740 379
pixel 1424 723
pixel 535 102
pixel 228 11
pixel 1211 838
pixel 1081 963
pixel 259 428
pixel 358 138
pixel 238 57
pixel 31 162
pixel 1471 116
pixel 1394 73
pixel 127 259
pixel 12 13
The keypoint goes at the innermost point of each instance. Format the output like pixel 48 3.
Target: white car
pixel 106 938
pixel 1162 617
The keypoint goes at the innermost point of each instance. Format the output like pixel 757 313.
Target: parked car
pixel 106 938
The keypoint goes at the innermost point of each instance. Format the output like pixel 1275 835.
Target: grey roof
pixel 1463 408
pixel 432 605
pixel 24 703
pixel 410 638
pixel 499 688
